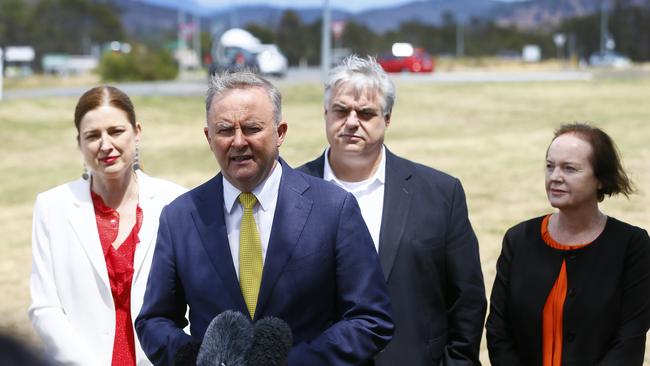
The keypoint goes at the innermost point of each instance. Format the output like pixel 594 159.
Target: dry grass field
pixel 492 136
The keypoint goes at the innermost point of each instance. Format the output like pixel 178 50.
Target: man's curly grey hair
pixel 362 73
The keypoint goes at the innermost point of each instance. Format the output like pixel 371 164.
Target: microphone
pixel 227 340
pixel 272 342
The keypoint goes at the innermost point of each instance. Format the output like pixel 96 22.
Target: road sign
pixel 338 27
pixel 559 39
pixel 19 54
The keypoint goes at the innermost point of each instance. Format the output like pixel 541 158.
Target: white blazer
pixel 72 307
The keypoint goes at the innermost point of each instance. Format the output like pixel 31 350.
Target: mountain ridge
pixel 523 14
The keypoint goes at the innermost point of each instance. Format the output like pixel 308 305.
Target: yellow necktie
pixel 250 254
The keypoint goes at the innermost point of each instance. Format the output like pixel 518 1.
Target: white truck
pixel 238 49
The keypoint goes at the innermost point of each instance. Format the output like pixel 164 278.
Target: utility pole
pixel 2 72
pixel 604 34
pixel 180 44
pixel 559 39
pixel 326 41
pixel 460 39
pixel 196 39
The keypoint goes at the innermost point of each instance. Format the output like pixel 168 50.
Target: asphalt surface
pixel 197 86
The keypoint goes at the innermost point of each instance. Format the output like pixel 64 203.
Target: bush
pixel 139 64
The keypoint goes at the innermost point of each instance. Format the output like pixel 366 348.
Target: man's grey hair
pixel 362 73
pixel 225 82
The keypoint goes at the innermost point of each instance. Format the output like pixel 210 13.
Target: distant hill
pixel 427 12
pixel 268 15
pixel 150 22
pixel 142 18
pixel 533 14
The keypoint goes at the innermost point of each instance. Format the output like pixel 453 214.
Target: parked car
pixel 235 59
pixel 417 61
pixel 238 49
pixel 609 58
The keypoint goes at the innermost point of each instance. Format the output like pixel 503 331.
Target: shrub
pixel 139 64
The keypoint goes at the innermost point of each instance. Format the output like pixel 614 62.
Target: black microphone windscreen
pixel 227 340
pixel 271 343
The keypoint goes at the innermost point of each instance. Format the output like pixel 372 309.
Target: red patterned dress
pixel 119 263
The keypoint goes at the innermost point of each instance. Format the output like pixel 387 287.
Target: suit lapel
pixel 211 226
pixel 83 223
pixel 291 213
pixel 397 201
pixel 315 167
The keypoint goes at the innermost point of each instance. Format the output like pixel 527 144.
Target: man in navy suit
pixel 320 272
pixel 417 217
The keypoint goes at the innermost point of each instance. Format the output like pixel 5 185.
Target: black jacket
pixel 429 255
pixel 607 308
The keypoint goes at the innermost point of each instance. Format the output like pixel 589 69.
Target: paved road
pixel 197 85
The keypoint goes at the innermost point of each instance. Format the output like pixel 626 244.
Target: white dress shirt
pixel 267 198
pixel 369 194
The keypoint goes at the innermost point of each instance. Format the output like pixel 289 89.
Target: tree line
pixel 59 26
pixel 71 26
pixel 628 25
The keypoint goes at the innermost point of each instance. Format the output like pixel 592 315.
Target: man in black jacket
pixel 417 217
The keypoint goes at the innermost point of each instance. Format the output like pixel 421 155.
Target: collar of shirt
pixel 265 192
pixel 378 178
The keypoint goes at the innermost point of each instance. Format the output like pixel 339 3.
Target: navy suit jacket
pixel 321 274
pixel 429 255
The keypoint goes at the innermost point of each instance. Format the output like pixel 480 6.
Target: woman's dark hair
pixel 103 95
pixel 605 159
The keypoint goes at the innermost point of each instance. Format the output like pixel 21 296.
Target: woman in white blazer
pixel 84 235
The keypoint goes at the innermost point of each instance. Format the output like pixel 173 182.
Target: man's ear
pixel 282 131
pixel 387 118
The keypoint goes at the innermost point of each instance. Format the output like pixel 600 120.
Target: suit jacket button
pixel 570 336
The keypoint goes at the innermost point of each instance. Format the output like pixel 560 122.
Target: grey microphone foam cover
pixel 227 340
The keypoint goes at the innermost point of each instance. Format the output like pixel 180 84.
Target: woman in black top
pixel 573 288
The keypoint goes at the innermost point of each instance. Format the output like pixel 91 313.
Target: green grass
pixel 492 136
